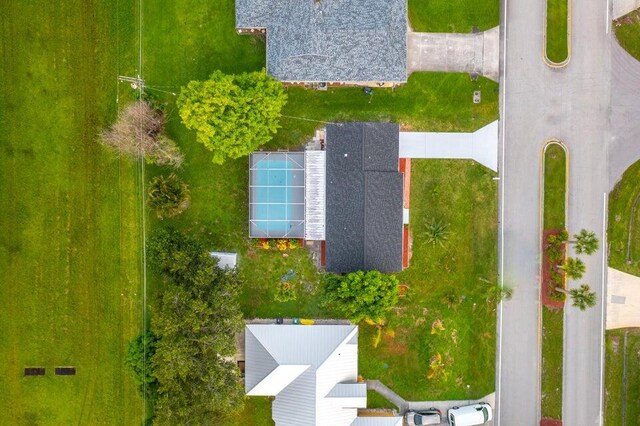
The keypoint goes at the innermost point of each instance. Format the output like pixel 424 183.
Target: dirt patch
pixel 550 422
pixel 546 285
pixel 615 343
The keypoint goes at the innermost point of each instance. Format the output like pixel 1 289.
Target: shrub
pixel 361 295
pixel 138 359
pixel 169 196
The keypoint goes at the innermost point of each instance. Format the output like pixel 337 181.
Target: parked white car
pixel 470 415
pixel 422 418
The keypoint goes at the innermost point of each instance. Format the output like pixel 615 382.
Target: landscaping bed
pixel 627 30
pixel 557 37
pixel 552 314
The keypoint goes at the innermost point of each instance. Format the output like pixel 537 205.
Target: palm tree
pixel 582 296
pixel 574 268
pixel 437 232
pixel 586 242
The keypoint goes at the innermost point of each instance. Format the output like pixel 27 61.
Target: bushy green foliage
pixel 196 320
pixel 168 195
pixel 583 297
pixel 363 295
pixel 574 268
pixel 233 115
pixel 586 242
pixel 141 349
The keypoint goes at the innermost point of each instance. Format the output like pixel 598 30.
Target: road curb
pixel 545 58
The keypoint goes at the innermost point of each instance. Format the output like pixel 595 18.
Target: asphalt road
pixel 574 105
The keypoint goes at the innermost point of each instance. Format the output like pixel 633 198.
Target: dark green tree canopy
pixel 361 295
pixel 196 320
pixel 232 115
pixel 169 195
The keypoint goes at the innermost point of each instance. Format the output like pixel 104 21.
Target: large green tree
pixel 363 295
pixel 232 115
pixel 196 319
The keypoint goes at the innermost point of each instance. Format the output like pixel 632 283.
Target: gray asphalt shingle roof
pixel 364 198
pixel 331 40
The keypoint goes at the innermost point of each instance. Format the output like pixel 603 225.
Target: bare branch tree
pixel 139 132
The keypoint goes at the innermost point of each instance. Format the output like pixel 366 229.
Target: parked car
pixel 431 416
pixel 470 415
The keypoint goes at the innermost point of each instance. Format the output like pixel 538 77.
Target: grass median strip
pixel 557 38
pixel 552 319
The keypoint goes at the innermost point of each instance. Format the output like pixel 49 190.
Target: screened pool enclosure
pixel 276 195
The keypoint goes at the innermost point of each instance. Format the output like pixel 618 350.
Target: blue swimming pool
pixel 276 195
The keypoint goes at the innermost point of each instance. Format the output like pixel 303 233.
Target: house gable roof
pixel 364 198
pixel 331 40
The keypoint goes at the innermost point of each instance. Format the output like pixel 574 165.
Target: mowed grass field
pixel 69 230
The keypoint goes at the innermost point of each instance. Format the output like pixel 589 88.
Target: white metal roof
pixel 318 386
pixel 315 195
pixel 225 260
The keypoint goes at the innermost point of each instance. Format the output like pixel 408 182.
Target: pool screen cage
pixel 276 195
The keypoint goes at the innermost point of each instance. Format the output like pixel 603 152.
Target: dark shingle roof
pixel 331 40
pixel 364 198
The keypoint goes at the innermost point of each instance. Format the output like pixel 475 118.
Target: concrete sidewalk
pixel 455 52
pixel 623 300
pixel 481 145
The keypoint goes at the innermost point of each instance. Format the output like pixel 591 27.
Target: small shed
pixel 225 260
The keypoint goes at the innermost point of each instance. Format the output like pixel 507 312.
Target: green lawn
pixel 621 201
pixel 462 194
pixel 557 27
pixel 553 320
pixel 552 339
pixel 628 33
pixel 622 399
pixel 453 16
pixel 555 169
pixel 70 239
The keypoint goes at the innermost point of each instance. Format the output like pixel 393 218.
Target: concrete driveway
pixel 455 52
pixel 443 406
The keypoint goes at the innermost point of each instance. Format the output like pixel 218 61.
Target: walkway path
pixel 481 145
pixel 455 52
pixel 623 300
pixel 404 406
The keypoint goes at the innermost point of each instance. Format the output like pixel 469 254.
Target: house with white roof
pixel 312 371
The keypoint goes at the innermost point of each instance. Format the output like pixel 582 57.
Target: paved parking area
pixel 455 52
